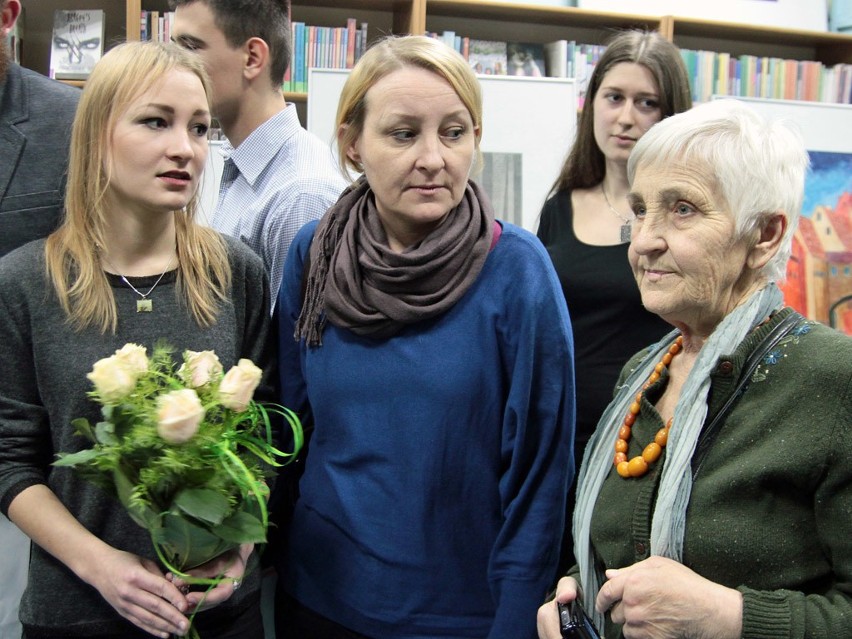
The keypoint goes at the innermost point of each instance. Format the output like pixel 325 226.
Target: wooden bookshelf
pixel 477 19
pixel 826 47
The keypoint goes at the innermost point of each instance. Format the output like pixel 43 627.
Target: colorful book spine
pixel 300 61
pixel 351 28
pixel 762 77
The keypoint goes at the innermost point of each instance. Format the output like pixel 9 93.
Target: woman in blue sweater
pixel 433 358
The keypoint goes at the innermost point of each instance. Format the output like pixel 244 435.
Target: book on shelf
pixel 719 73
pixel 525 58
pixel 351 29
pixel 559 59
pixel 487 57
pixel 569 59
pixel 156 25
pixel 77 43
pixel 323 47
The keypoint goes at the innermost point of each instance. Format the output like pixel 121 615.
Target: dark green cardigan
pixel 770 512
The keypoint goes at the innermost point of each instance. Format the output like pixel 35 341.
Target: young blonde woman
pixel 128 264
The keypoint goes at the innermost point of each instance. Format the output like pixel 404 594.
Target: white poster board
pixel 528 126
pixel 824 126
pixel 811 15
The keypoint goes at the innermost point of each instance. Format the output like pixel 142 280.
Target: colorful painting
pixel 819 273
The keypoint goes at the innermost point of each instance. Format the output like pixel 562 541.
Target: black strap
pixel 709 432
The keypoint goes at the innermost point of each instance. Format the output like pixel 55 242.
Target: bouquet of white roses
pixel 183 448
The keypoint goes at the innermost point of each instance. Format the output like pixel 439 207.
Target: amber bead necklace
pixel 638 466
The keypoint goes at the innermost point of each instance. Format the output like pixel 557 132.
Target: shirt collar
pixel 253 155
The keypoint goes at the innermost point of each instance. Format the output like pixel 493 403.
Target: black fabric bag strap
pixel 709 432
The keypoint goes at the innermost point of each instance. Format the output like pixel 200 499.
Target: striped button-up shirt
pixel 278 179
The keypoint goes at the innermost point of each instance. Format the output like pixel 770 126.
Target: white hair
pixel 759 165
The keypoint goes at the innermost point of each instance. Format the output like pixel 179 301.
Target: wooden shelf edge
pixel 713 28
pixel 572 16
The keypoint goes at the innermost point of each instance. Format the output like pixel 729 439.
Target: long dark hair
pixel 585 167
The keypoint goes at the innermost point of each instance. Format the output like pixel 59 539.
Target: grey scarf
pixel 669 517
pixel 357 282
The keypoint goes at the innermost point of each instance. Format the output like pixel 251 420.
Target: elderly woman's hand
pixel 659 598
pixel 548 616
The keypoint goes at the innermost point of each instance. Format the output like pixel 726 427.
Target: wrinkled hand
pixel 140 593
pixel 230 566
pixel 548 616
pixel 659 598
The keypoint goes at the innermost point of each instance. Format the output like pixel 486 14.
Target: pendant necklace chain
pixel 624 230
pixel 143 305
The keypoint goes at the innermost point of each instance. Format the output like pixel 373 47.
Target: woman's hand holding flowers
pixel 229 566
pixel 140 593
pixel 185 449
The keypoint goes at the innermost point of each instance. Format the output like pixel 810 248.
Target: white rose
pixel 179 414
pixel 238 385
pixel 134 359
pixel 113 379
pixel 199 368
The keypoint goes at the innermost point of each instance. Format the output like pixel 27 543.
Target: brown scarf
pixel 357 282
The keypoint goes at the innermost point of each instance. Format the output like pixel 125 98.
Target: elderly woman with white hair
pixel 715 498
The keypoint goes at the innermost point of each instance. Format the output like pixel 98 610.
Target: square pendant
pixel 144 306
pixel 625 233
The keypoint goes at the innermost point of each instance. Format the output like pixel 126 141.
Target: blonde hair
pixel 389 55
pixel 73 263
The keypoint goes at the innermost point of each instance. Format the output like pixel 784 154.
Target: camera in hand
pixel 574 622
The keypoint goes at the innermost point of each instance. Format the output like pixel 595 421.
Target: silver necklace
pixel 143 305
pixel 624 231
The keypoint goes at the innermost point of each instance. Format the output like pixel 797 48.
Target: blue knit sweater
pixel 433 495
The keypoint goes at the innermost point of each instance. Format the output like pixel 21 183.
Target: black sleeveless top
pixel 607 316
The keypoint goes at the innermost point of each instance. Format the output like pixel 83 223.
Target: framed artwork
pixel 819 273
pixel 528 125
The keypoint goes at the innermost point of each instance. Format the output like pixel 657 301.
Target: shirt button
pixel 639 548
pixel 726 368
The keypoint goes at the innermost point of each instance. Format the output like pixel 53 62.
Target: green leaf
pixel 200 476
pixel 188 544
pixel 83 427
pixel 74 459
pixel 145 517
pixel 105 434
pixel 242 528
pixel 201 503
